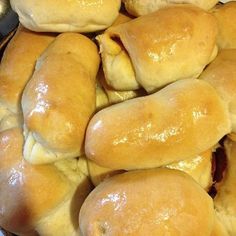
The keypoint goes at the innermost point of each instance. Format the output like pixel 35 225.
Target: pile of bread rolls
pixel 112 114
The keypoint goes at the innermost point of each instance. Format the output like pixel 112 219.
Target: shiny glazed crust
pixel 59 99
pixel 66 16
pixel 178 122
pixel 148 202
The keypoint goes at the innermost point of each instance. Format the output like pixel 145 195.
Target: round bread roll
pixel 221 74
pixel 66 16
pixel 59 99
pixel 144 7
pixel 148 202
pixel 226 18
pixel 16 68
pixel 38 199
pixel 225 200
pixel 154 50
pixel 178 122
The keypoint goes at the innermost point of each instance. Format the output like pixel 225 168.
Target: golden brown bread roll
pixel 44 199
pixel 148 202
pixel 142 51
pixel 59 99
pixel 144 7
pixel 65 16
pixel 221 74
pixel 178 122
pixel 225 200
pixel 199 168
pixel 16 68
pixel 226 17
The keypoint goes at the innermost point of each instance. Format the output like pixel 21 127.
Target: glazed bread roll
pixel 142 51
pixel 226 17
pixel 38 199
pixel 144 7
pixel 221 74
pixel 178 122
pixel 199 168
pixel 225 199
pixel 59 99
pixel 66 16
pixel 148 202
pixel 16 68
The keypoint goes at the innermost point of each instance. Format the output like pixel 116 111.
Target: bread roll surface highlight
pixel 221 74
pixel 226 17
pixel 225 200
pixel 152 51
pixel 30 194
pixel 16 68
pixel 66 16
pixel 144 7
pixel 148 202
pixel 59 99
pixel 178 122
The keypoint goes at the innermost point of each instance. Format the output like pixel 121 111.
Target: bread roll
pixel 226 17
pixel 144 7
pixel 221 74
pixel 154 50
pixel 38 199
pixel 66 16
pixel 225 200
pixel 199 167
pixel 59 99
pixel 101 97
pixel 16 68
pixel 148 202
pixel 178 122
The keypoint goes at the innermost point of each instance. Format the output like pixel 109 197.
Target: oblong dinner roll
pixel 144 7
pixel 221 74
pixel 38 200
pixel 226 17
pixel 148 202
pixel 59 99
pixel 178 122
pixel 16 68
pixel 225 200
pixel 152 51
pixel 66 16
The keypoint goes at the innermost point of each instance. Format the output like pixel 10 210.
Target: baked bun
pixel 225 200
pixel 144 7
pixel 141 52
pixel 226 18
pixel 66 16
pixel 59 99
pixel 16 68
pixel 148 202
pixel 38 199
pixel 178 122
pixel 221 74
pixel 199 168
